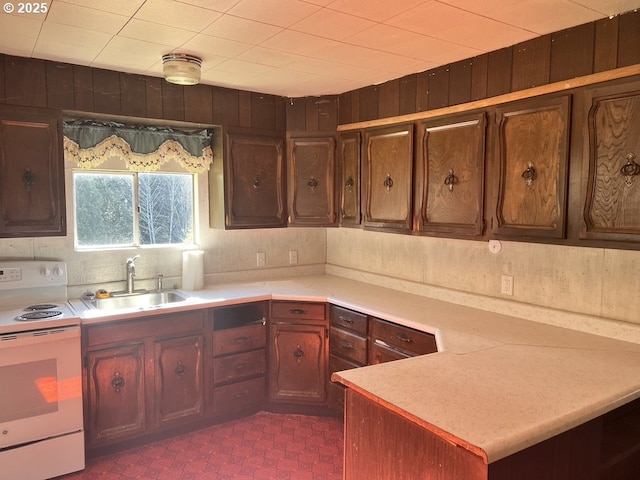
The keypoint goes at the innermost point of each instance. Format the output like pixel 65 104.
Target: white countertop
pixel 498 384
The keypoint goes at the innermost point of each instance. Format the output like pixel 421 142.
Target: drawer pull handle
pixel 180 369
pixel 403 337
pixel 345 344
pixel 241 339
pixel 117 382
pixel 240 395
pixel 241 366
pixel 298 311
pixel 346 319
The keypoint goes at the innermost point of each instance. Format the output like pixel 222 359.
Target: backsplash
pixel 570 286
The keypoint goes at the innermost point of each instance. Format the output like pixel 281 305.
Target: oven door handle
pixel 21 339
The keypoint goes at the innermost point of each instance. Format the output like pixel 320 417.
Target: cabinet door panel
pixel 254 182
pixel 451 176
pixel 116 394
pixel 179 378
pixel 349 157
pixel 388 160
pixel 31 172
pixel 612 203
pixel 298 363
pixel 533 147
pixel 312 181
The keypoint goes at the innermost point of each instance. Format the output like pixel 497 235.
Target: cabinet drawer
pixel 344 318
pixel 241 339
pixel 157 326
pixel 297 311
pixel 348 345
pixel 337 364
pixel 241 365
pixel 404 338
pixel 239 397
pixel 380 354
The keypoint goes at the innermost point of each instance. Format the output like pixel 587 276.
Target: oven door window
pixel 28 390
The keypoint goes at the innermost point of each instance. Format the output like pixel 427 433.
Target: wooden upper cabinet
pixel 32 193
pixel 611 164
pixel 450 176
pixel 254 181
pixel 349 183
pixel 311 182
pixel 388 177
pixel 532 149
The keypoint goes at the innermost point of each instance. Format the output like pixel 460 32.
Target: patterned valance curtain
pixel 90 143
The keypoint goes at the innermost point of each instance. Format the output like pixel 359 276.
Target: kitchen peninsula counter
pixel 497 385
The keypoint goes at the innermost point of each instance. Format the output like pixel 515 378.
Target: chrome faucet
pixel 131 273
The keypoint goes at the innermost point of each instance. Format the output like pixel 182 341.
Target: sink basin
pixel 141 301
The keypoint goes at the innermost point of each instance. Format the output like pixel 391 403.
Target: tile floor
pixel 263 446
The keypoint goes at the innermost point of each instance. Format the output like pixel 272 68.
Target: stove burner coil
pixel 42 306
pixel 39 315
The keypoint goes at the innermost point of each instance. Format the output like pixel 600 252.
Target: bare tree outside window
pixel 105 209
pixel 166 208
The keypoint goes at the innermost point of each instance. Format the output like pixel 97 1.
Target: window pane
pixel 104 209
pixel 166 208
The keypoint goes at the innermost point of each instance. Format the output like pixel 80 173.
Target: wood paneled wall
pixel 594 47
pixel 590 48
pixel 42 83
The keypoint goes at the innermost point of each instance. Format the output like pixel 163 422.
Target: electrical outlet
pixel 506 287
pixel 293 257
pixel 261 259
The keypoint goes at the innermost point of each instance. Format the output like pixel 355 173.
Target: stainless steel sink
pixel 140 301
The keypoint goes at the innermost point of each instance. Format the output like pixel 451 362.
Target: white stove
pixel 40 373
pixel 33 295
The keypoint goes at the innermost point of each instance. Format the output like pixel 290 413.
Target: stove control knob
pixel 45 272
pixel 58 271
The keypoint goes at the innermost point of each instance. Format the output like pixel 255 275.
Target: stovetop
pixel 33 296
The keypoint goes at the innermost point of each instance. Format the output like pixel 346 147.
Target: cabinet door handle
pixel 349 184
pixel 256 182
pixel 312 183
pixel 630 169
pixel 529 175
pixel 403 337
pixel 117 382
pixel 28 178
pixel 450 180
pixel 388 182
pixel 180 369
pixel 298 353
pixel 298 311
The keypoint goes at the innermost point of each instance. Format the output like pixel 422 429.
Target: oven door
pixel 40 385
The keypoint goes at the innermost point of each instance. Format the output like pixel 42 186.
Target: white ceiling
pixel 291 48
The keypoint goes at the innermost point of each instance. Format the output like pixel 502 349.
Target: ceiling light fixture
pixel 181 69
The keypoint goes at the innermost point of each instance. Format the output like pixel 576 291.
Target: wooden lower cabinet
pixel 142 377
pixel 239 359
pixel 298 363
pixel 179 390
pixel 381 444
pixel 298 350
pixel 116 394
